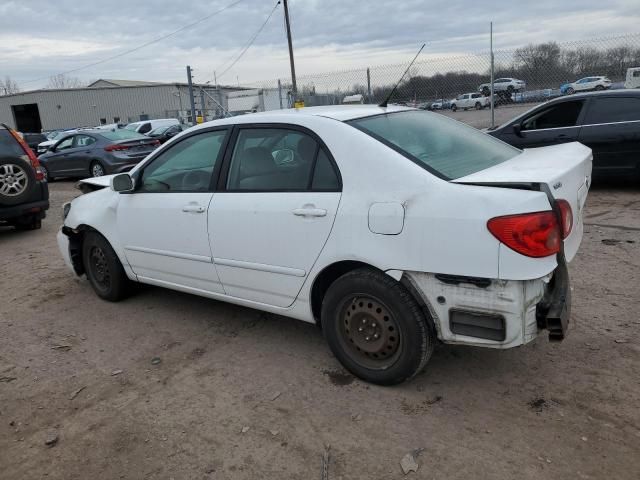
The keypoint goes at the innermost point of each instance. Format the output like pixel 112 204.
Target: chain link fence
pixel 543 70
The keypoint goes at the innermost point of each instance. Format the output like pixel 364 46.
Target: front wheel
pixel 478 106
pixel 599 88
pixel 103 268
pixel 454 108
pixel 570 91
pixel 376 328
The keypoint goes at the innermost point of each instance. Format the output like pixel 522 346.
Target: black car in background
pixel 608 122
pixel 96 152
pixel 24 193
pixel 165 132
pixel 33 139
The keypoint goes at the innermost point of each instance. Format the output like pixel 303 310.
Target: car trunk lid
pixel 561 171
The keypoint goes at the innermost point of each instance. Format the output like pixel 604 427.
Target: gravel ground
pixel 482 118
pixel 167 385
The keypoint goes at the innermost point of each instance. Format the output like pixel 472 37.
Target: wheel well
pixel 76 238
pixel 324 280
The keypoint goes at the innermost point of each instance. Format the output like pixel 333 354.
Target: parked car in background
pixel 440 104
pixel 52 138
pixel 24 193
pixel 390 227
pixel 633 78
pixel 95 153
pixel 470 100
pixel 508 85
pixel 585 84
pixel 146 126
pixel 607 122
pixel 166 132
pixel 33 140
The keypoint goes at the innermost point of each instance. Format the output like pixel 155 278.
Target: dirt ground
pixel 167 385
pixel 482 118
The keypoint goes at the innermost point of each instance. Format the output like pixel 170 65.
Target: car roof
pixel 623 92
pixel 341 113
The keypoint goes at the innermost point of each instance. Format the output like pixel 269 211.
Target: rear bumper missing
pixel 496 313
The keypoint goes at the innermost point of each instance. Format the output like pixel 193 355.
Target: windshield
pixel 159 130
pixel 444 147
pixel 53 135
pixel 132 126
pixel 122 134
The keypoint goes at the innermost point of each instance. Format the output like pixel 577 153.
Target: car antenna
pixel 386 100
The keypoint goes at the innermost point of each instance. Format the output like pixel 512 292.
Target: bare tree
pixel 62 81
pixel 9 86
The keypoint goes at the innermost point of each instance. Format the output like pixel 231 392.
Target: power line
pixel 150 42
pixel 251 40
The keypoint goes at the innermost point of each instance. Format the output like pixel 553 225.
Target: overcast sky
pixel 40 38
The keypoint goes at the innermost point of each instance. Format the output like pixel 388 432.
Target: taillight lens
pixel 35 163
pixel 566 217
pixel 535 234
pixel 116 148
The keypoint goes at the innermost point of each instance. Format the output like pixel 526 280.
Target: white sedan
pixel 391 228
pixel 586 84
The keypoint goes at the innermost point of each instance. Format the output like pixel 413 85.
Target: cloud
pixel 41 38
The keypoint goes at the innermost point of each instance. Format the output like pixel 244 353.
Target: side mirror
pixel 517 129
pixel 122 183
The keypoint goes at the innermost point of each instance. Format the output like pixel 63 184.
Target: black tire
pixel 47 175
pixel 96 169
pixel 103 268
pixel 478 106
pixel 17 180
pixel 599 88
pixel 375 327
pixel 29 222
pixel 570 91
pixel 510 89
pixel 454 107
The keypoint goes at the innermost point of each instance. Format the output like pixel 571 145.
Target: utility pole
pixel 368 85
pixel 293 67
pixel 493 119
pixel 202 105
pixel 193 105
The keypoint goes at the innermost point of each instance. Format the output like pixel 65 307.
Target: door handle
pixel 309 212
pixel 191 208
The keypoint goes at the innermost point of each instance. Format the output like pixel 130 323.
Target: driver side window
pixel 186 166
pixel 65 144
pixel 561 115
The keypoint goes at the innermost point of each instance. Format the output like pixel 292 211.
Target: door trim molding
pixel 261 267
pixel 169 253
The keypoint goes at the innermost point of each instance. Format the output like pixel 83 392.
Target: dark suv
pixel 24 193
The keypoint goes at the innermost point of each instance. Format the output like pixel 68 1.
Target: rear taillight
pixel 35 163
pixel 116 148
pixel 566 217
pixel 535 234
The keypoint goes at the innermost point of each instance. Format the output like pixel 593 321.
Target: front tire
pixel 454 108
pixel 103 268
pixel 375 327
pixel 478 106
pixel 570 91
pixel 599 88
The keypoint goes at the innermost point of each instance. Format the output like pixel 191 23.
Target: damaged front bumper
pixel 495 313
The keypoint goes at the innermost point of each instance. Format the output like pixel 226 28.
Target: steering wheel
pixel 196 180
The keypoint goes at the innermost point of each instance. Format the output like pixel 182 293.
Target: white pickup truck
pixel 470 100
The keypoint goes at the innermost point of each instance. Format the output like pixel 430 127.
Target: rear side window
pixel 564 114
pixel 606 110
pixel 9 146
pixel 324 175
pixel 442 146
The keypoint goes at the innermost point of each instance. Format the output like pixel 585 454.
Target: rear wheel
pixel 599 88
pixel 375 327
pixel 96 169
pixel 103 268
pixel 478 106
pixel 16 181
pixel 454 107
pixel 570 91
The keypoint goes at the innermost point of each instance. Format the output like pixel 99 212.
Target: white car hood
pixel 104 181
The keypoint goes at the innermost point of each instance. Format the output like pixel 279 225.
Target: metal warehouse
pixel 110 101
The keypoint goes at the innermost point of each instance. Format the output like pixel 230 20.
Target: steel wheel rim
pixel 100 268
pixel 13 180
pixel 97 170
pixel 369 332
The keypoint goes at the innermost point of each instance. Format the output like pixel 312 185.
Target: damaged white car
pixel 391 228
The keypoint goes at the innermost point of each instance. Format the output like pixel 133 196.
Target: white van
pixel 633 78
pixel 145 126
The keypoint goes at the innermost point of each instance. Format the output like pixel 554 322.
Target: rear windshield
pixel 9 146
pixel 444 147
pixel 122 134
